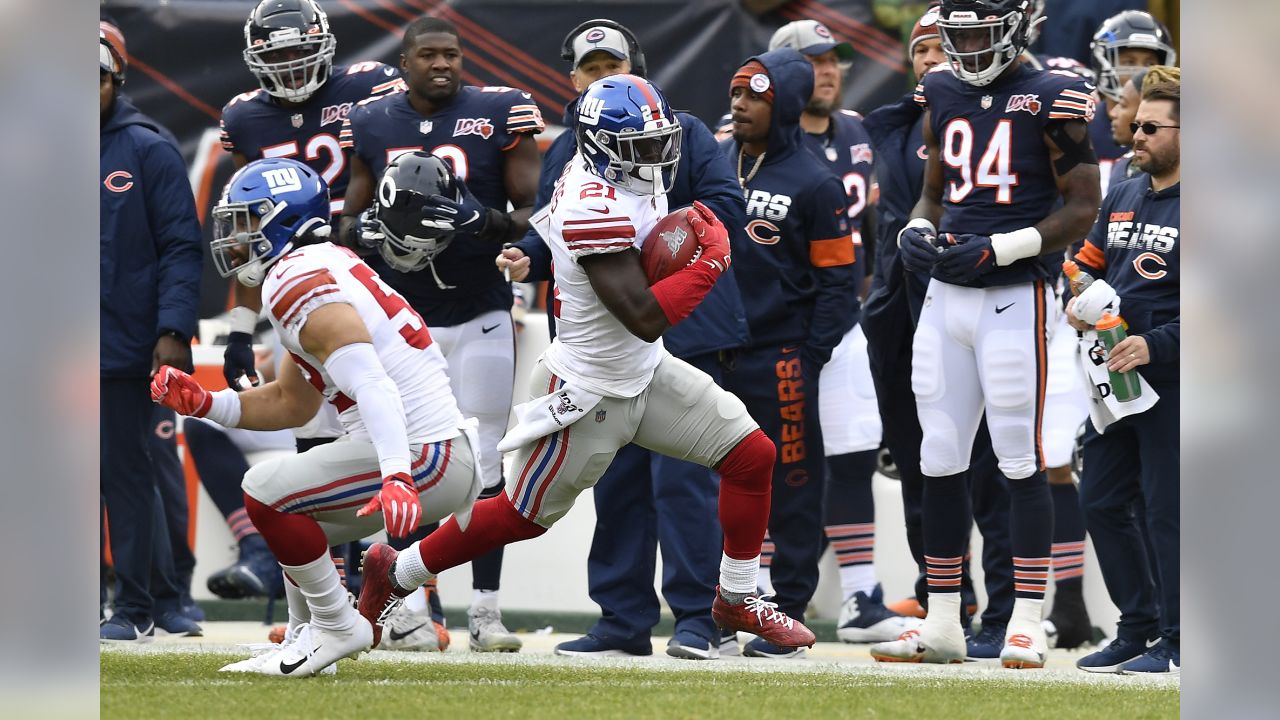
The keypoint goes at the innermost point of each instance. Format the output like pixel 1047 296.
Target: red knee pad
pixel 293 539
pixel 749 465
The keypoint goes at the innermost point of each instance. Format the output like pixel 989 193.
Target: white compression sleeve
pixel 359 374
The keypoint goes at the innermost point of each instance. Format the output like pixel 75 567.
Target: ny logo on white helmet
pixel 282 180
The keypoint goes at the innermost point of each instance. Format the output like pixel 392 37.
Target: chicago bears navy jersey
pixel 997 175
pixel 846 149
pixel 472 132
pixel 256 126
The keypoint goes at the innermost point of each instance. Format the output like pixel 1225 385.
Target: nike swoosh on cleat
pixel 1006 307
pixel 402 635
pixel 287 668
pixel 487 330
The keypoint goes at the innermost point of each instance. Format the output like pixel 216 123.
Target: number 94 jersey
pixel 997 173
pixel 255 125
pixel 316 275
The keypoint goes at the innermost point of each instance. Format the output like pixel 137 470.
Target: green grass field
pixel 188 686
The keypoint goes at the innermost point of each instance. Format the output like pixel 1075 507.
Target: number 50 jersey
pixel 256 126
pixel 996 168
pixel 316 275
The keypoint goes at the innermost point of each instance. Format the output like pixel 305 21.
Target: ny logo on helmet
pixel 282 180
pixel 589 110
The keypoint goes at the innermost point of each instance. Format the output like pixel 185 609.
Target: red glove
pixel 180 392
pixel 398 501
pixel 711 236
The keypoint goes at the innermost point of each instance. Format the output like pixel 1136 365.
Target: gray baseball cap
pixel 811 38
pixel 603 38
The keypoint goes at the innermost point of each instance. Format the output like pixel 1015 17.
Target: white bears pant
pixel 481 354
pixel 979 349
pixel 847 406
pixel 1066 400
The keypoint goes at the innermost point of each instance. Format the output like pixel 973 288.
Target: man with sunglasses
pixel 1133 251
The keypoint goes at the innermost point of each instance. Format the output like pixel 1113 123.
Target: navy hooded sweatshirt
pixel 795 266
pixel 148 240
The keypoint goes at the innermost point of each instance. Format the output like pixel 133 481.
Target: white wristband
pixel 225 409
pixel 243 319
pixel 917 223
pixel 1016 245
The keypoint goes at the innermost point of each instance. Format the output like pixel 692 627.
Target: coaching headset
pixel 637 56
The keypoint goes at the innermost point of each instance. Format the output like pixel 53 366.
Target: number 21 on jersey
pixel 993 168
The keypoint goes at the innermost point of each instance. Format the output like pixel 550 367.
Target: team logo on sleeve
pixel 860 153
pixel 1027 103
pixel 473 126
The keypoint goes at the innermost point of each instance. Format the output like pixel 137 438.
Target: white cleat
pixel 263 653
pixel 412 631
pixel 1025 647
pixel 488 634
pixel 1025 642
pixel 923 646
pixel 316 649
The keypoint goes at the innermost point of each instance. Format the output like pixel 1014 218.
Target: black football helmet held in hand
pixel 405 189
pixel 982 38
pixel 288 48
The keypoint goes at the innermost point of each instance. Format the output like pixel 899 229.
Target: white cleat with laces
pixel 940 638
pixel 316 649
pixel 263 653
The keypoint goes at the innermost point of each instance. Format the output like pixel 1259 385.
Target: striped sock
pixel 341 563
pixel 1030 576
pixel 943 574
pixel 241 526
pixel 854 546
pixel 1068 534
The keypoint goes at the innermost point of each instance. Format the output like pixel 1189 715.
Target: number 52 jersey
pixel 256 126
pixel 316 275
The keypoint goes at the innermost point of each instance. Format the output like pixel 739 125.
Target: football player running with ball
pixel 1005 143
pixel 606 380
pixel 408 456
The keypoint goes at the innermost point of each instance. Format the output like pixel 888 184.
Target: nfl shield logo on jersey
pixel 425 127
pixel 296 120
pixel 600 416
pixel 986 102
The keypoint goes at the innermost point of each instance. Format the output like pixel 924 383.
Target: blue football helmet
pixel 1127 29
pixel 266 208
pixel 628 134
pixel 982 38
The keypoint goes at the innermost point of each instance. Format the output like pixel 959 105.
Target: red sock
pixel 746 485
pixel 494 523
pixel 293 539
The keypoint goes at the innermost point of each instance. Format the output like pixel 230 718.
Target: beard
pixel 821 108
pixel 1157 165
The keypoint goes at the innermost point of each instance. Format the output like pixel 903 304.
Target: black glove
pixel 965 257
pixel 237 361
pixel 918 251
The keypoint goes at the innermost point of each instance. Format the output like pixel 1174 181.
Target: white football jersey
pixel 316 275
pixel 587 216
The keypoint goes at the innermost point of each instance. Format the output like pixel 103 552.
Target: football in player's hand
pixel 670 247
